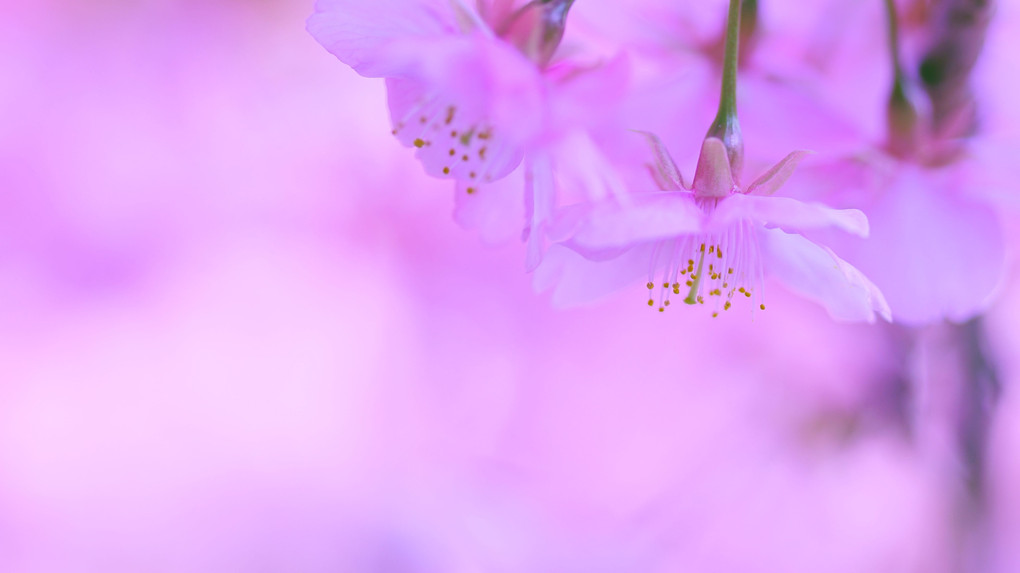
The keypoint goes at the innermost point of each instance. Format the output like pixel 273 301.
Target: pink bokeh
pixel 241 332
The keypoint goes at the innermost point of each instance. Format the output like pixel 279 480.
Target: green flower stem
pixel 892 20
pixel 725 126
pixel 902 117
pixel 748 23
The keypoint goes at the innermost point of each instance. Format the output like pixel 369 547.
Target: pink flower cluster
pixel 551 120
pixel 240 332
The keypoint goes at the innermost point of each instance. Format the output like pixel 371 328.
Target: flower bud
pixel 906 113
pixel 958 37
pixel 537 29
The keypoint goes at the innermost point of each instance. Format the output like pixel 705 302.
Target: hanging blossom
pixel 937 249
pixel 713 242
pixel 475 90
pixel 678 46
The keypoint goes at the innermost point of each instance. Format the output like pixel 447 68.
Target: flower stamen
pixel 718 268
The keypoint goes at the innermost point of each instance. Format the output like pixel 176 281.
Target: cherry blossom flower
pixel 439 60
pixel 927 221
pixel 715 239
pixel 714 242
pixel 929 189
pixel 475 90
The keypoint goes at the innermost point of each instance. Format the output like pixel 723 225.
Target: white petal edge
pixel 816 273
pixel 789 214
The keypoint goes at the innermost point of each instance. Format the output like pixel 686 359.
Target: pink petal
pixel 518 100
pixel 641 218
pixel 786 115
pixel 789 214
pixel 774 178
pixel 495 211
pixel 816 273
pixel 576 280
pixel 356 31
pixel 453 140
pixel 587 96
pixel 936 253
pixel 405 99
pixel 713 177
pixel 539 195
pixel 483 76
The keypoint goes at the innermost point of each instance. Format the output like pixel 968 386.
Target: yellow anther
pixel 651 302
pixel 419 143
pixel 650 285
pixel 470 190
pixel 446 171
pixel 727 305
pixel 762 306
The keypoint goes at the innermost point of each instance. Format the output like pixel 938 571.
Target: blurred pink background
pixel 239 331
